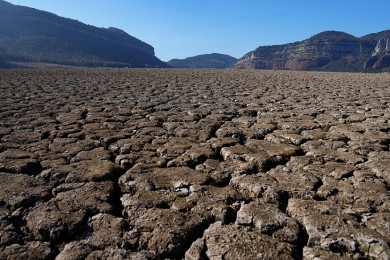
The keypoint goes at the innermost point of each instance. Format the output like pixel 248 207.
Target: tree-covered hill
pixel 33 35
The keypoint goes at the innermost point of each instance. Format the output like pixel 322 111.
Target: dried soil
pixel 194 164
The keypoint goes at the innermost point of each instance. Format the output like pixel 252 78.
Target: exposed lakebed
pixel 218 164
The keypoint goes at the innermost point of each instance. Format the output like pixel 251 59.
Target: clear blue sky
pixel 183 28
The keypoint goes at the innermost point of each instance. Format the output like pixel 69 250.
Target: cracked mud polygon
pixel 195 164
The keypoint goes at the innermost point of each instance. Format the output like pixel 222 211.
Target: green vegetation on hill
pixel 332 36
pixel 212 61
pixel 344 66
pixel 34 35
pixel 376 36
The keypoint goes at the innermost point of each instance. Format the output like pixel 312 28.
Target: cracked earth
pixel 194 164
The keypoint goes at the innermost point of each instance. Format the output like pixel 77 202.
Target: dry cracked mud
pixel 194 164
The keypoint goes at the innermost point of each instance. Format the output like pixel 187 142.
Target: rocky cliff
pixel 329 51
pixel 381 56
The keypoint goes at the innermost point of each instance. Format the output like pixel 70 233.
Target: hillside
pixel 209 61
pixel 28 34
pixel 326 51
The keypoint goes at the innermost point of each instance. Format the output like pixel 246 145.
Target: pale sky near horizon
pixel 180 28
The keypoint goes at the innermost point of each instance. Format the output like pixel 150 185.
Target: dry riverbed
pixel 195 164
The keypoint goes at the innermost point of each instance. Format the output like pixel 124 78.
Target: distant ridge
pixel 205 61
pixel 31 35
pixel 326 51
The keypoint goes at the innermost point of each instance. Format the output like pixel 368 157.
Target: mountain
pixel 210 61
pixel 31 35
pixel 326 51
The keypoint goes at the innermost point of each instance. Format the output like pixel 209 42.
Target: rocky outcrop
pixel 382 47
pixel 381 56
pixel 334 51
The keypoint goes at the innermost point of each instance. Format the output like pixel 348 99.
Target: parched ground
pixel 195 164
